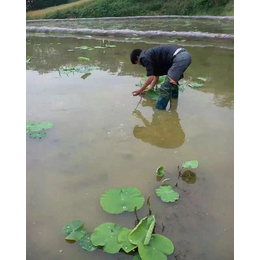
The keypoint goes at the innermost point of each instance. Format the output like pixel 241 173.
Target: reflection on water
pixel 164 130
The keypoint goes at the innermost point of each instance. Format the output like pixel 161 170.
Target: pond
pixel 102 139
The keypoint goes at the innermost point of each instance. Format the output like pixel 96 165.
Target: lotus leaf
pixel 189 177
pixel 124 241
pixel 152 94
pixel 83 59
pixel 74 230
pixel 37 135
pixel 173 41
pixel 141 234
pixel 196 85
pixel 86 243
pixel 32 126
pixel 203 79
pixel 116 201
pixel 28 59
pixel 182 40
pixel 167 194
pixel 99 47
pixel 136 257
pixel 82 47
pixel 160 171
pixel 158 248
pixel 161 79
pixel 46 125
pixel 110 46
pixel 78 69
pixel 106 235
pixel 191 164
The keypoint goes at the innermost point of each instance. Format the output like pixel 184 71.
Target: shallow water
pixel 167 24
pixel 101 141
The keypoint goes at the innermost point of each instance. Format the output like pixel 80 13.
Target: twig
pixel 138 103
pixel 163 227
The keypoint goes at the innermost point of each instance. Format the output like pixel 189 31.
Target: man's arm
pixel 155 80
pixel 148 81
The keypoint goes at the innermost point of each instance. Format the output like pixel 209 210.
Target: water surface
pixel 101 140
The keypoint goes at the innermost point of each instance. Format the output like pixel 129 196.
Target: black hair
pixel 134 54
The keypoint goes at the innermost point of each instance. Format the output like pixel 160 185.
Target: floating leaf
pixel 83 59
pixel 152 94
pixel 106 235
pixel 46 125
pixel 78 69
pixel 86 244
pixel 28 59
pixel 74 230
pixel 196 85
pixel 85 75
pixel 136 257
pixel 126 38
pixel 191 164
pixel 124 241
pixel 136 38
pixel 182 40
pixel 160 171
pixel 158 248
pixel 167 194
pixel 203 79
pixel 37 135
pixel 82 47
pixel 32 126
pixel 110 46
pixel 173 40
pixel 99 47
pixel 189 177
pixel 135 35
pixel 70 50
pixel 143 231
pixel 116 201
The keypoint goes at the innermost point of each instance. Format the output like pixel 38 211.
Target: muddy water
pixel 101 140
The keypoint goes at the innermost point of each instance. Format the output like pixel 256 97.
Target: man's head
pixel 134 57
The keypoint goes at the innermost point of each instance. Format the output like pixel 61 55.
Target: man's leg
pixel 165 95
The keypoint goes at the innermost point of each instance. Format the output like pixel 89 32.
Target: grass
pixel 117 8
pixel 50 10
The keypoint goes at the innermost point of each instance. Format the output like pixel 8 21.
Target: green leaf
pixel 37 135
pixel 189 177
pixel 86 244
pixel 46 125
pixel 173 40
pixel 83 59
pixel 28 59
pixel 124 241
pixel 167 194
pixel 99 47
pixel 160 171
pixel 137 257
pixel 203 79
pixel 32 126
pixel 116 201
pixel 85 75
pixel 191 164
pixel 78 69
pixel 182 40
pixel 106 235
pixel 74 230
pixel 110 46
pixel 152 94
pixel 143 231
pixel 136 38
pixel 158 248
pixel 161 80
pixel 82 47
pixel 196 85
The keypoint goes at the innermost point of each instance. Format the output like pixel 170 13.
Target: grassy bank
pixel 117 8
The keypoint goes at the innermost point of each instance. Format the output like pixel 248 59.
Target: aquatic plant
pixel 84 59
pixel 167 194
pixel 196 85
pixel 34 129
pixel 203 79
pixel 160 171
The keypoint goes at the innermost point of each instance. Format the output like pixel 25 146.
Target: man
pixel 162 60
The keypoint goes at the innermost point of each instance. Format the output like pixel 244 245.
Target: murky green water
pixel 167 24
pixel 100 141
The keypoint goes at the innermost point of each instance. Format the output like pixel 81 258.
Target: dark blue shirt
pixel 157 60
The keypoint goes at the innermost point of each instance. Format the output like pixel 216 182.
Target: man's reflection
pixel 164 131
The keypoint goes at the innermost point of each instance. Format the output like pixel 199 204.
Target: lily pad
pixel 46 125
pixel 158 248
pixel 189 177
pixel 124 241
pixel 85 243
pixel 116 201
pixel 196 85
pixel 203 79
pixel 85 75
pixel 173 40
pixel 143 231
pixel 82 47
pixel 37 135
pixel 83 59
pixel 110 46
pixel 160 171
pixel 74 230
pixel 106 235
pixel 167 194
pixel 152 94
pixel 32 126
pixel 136 257
pixel 191 164
pixel 99 47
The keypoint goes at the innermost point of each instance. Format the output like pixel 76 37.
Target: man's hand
pixel 137 92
